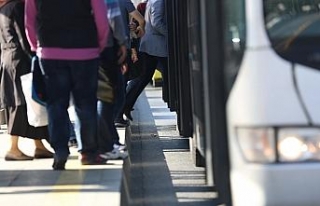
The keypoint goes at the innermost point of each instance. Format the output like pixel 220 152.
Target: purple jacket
pixel 99 13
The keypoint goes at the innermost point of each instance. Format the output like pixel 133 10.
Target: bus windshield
pixel 294 29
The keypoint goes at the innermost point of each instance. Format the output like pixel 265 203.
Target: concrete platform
pixel 34 183
pixel 158 172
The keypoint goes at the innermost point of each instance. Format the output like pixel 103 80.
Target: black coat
pixel 15 53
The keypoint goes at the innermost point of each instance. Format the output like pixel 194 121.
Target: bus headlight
pixel 257 144
pixel 269 145
pixel 298 144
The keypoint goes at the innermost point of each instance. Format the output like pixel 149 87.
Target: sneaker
pixel 93 159
pixel 115 154
pixel 119 146
pixel 121 123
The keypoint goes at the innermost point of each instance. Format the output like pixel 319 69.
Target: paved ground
pixel 24 183
pixel 159 170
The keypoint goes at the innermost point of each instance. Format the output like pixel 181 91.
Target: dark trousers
pixel 137 85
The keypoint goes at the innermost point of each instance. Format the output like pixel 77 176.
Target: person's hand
pixel 134 55
pixel 122 54
pixel 124 68
pixel 132 26
pixel 139 31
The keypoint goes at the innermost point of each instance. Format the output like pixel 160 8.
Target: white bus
pixel 273 108
pixel 255 88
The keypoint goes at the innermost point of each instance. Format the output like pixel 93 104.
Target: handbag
pixel 34 91
pixel 38 82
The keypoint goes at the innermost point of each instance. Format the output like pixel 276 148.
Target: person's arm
pixel 30 23
pixel 118 29
pixel 120 36
pixel 116 22
pixel 138 17
pixel 99 9
pixel 134 13
pixel 158 17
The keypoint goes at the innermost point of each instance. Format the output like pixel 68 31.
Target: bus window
pixel 293 27
pixel 234 38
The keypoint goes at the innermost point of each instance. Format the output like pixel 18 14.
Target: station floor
pixel 158 172
pixel 34 183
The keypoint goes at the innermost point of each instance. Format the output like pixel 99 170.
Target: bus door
pixel 183 72
pixel 179 73
pixel 172 63
pixel 208 91
pixel 196 70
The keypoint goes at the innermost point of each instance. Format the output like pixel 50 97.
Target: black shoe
pixel 121 123
pixel 59 164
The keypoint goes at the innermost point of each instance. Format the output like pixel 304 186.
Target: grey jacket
pixel 154 42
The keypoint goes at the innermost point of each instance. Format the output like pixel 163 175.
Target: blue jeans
pixel 80 79
pixel 107 132
pixel 72 131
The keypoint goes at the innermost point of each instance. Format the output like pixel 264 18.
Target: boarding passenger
pixel 128 12
pixel 16 61
pixel 135 63
pixel 153 48
pixel 69 58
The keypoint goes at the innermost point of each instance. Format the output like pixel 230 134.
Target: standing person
pixel 16 61
pixel 111 60
pixel 128 12
pixel 153 48
pixel 68 37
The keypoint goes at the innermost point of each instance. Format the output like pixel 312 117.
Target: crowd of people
pixel 87 51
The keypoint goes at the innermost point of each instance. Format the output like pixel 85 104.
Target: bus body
pixel 273 106
pixel 254 81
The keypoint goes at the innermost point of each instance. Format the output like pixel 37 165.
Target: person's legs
pixel 105 122
pixel 15 145
pixel 84 78
pixel 136 86
pixel 17 127
pixel 14 152
pixel 39 144
pixel 72 139
pixel 77 132
pixel 41 151
pixel 58 86
pixel 107 133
